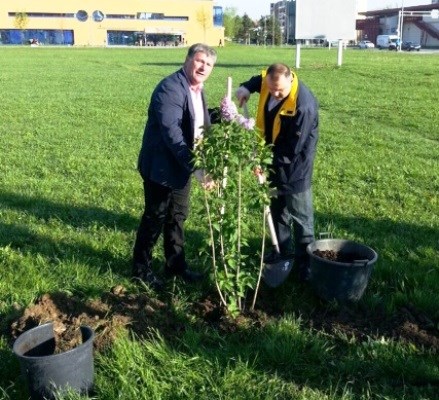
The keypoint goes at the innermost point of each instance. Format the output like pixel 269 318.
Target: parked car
pixel 366 44
pixel 410 46
pixel 387 42
pixel 332 43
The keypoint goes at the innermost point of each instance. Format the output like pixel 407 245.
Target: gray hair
pixel 201 48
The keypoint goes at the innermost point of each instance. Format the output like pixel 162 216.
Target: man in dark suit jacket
pixel 176 113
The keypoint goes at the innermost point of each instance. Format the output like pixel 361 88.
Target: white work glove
pixel 242 94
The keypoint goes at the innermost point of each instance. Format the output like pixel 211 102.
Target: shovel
pixel 276 271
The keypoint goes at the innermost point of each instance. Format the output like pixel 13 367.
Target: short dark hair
pixel 201 48
pixel 279 69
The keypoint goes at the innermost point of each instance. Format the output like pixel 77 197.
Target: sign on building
pixel 330 19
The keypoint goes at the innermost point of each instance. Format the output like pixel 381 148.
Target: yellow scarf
pixel 288 106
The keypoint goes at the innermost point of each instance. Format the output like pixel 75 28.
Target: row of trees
pixel 243 29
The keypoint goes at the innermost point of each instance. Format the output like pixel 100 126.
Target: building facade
pixel 420 24
pixel 284 12
pixel 111 23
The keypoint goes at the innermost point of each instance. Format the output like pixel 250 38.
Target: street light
pixel 400 25
pixel 265 31
pixel 272 27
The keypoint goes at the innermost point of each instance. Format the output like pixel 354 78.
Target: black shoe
pixel 145 274
pixel 303 270
pixel 187 275
pixel 303 274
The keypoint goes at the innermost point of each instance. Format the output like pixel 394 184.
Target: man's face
pixel 279 86
pixel 198 68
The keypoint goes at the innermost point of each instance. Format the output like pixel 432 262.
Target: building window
pixel 218 16
pixel 98 16
pixel 121 16
pixel 42 36
pixel 82 15
pixel 160 16
pixel 44 15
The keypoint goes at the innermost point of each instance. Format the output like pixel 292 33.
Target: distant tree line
pixel 242 29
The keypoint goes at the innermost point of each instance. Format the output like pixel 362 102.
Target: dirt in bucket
pixel 337 256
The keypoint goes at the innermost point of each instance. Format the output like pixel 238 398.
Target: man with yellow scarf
pixel 288 118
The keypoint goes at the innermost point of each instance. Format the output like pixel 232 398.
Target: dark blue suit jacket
pixel 168 140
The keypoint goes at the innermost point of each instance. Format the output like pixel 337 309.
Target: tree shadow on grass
pixel 22 239
pixel 324 357
pixel 70 215
pixel 382 231
pixel 348 345
pixel 325 363
pixel 287 350
pixel 19 236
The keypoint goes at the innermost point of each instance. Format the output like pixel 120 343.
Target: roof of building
pixel 393 11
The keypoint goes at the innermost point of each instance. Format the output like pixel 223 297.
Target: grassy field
pixel 71 198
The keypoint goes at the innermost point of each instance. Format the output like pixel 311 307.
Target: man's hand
pixel 260 174
pixel 242 94
pixel 206 182
pixel 209 184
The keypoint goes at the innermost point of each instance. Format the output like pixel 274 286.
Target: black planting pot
pixel 47 373
pixel 341 281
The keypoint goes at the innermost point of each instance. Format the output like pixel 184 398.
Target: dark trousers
pixel 296 209
pixel 166 210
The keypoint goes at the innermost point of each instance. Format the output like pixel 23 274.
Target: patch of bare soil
pixel 142 314
pixel 406 325
pixel 105 316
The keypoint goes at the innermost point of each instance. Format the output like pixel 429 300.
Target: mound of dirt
pixel 105 316
pixel 143 314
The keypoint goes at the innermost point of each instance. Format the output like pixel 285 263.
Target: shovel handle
pixel 261 180
pixel 272 229
pixel 245 109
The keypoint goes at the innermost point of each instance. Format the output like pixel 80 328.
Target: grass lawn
pixel 70 201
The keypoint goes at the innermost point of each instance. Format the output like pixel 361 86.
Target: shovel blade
pixel 274 274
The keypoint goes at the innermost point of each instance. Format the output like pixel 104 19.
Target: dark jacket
pixel 295 147
pixel 168 140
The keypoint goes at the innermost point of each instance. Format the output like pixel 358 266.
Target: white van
pixel 387 42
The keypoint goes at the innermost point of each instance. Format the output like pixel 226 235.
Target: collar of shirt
pixel 197 88
pixel 273 102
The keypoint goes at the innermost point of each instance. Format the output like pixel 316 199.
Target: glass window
pixel 217 16
pixel 82 15
pixel 98 16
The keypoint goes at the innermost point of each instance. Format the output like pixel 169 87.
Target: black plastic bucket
pixel 47 373
pixel 341 281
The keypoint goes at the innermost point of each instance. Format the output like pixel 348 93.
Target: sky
pixel 377 4
pixel 256 8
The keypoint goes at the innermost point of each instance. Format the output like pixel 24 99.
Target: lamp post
pixel 272 27
pixel 400 25
pixel 265 32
